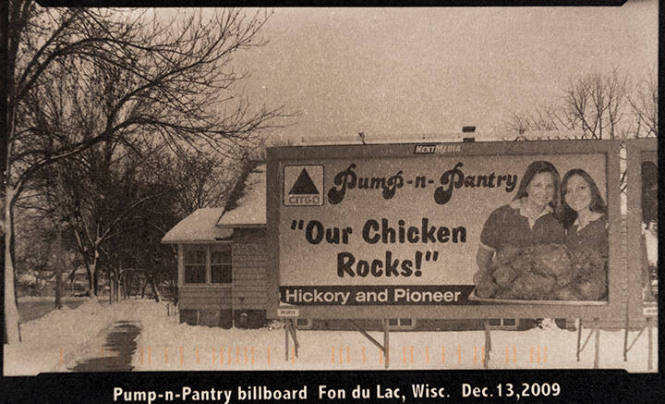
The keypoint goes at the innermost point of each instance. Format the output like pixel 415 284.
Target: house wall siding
pixel 205 297
pixel 249 269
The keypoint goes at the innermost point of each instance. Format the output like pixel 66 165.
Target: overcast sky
pixel 432 70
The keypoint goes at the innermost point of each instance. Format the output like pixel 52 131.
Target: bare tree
pixel 644 107
pixel 542 119
pixel 595 103
pixel 203 179
pixel 595 106
pixel 174 81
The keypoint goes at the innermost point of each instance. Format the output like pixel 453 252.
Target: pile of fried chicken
pixel 544 272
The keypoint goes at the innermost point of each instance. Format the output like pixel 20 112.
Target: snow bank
pixel 54 341
pixel 51 299
pixel 165 345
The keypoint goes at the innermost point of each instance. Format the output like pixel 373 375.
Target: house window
pixel 220 264
pixel 195 265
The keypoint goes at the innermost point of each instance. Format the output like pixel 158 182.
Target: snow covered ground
pixel 49 299
pixel 164 344
pixel 55 341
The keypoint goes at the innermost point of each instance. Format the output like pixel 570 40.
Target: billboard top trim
pixel 362 138
pixel 440 148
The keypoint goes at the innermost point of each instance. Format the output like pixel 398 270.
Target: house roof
pixel 209 224
pixel 200 226
pixel 250 210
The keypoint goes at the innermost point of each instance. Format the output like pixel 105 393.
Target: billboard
pixel 449 230
pixel 642 227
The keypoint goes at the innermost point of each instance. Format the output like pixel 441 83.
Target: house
pixel 222 258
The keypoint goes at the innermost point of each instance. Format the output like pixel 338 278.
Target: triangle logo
pixel 304 185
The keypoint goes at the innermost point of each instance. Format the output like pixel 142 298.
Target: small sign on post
pixel 288 313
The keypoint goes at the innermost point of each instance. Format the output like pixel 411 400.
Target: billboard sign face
pixel 642 227
pixel 357 231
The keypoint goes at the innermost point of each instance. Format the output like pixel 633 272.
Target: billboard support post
pixel 488 344
pixel 594 329
pixel 286 341
pixel 650 350
pixel 386 343
pixel 289 328
pixel 625 333
pixel 579 339
pixel 366 334
pixel 383 348
pixel 292 330
pixel 596 348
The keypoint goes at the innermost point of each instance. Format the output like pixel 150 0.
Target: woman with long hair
pixel 584 216
pixel 583 213
pixel 528 220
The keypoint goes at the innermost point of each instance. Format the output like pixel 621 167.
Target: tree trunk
pixel 93 273
pixel 155 291
pixel 12 330
pixel 125 285
pixel 145 284
pixel 117 284
pixel 95 278
pixel 58 268
pixel 95 282
pixel 110 276
pixel 89 273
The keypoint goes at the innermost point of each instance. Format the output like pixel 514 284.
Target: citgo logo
pixel 303 185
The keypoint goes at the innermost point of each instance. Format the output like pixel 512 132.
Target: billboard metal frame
pixel 634 254
pixel 616 303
